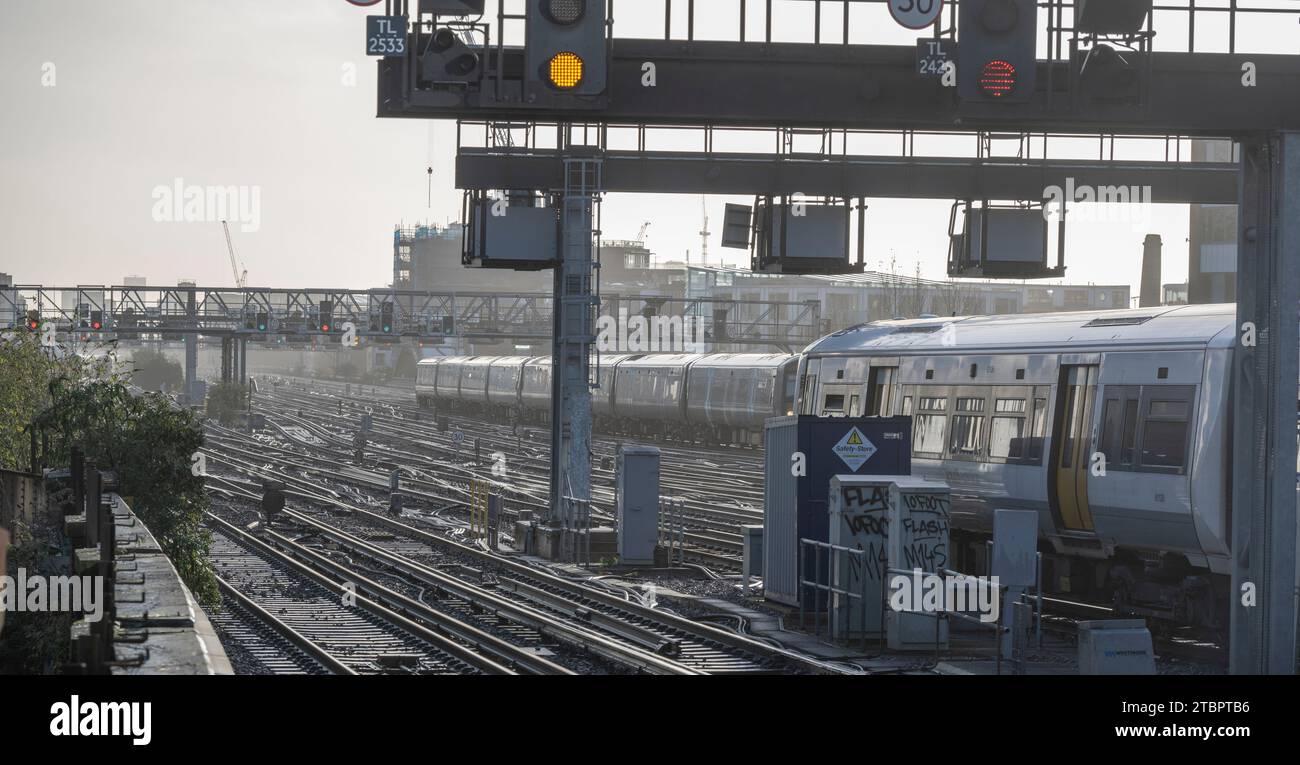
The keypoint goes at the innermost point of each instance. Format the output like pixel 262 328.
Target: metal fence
pixel 828 602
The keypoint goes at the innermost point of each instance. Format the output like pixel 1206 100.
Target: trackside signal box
pixel 802 454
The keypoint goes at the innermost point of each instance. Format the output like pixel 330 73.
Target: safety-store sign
pixel 854 449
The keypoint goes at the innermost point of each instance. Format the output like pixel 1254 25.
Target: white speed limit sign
pixel 916 14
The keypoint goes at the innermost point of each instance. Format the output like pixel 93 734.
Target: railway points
pixel 307 453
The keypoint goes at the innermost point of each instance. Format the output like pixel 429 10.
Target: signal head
pixel 565 70
pixel 564 11
pixel 998 78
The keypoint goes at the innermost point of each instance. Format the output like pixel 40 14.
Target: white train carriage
pixel 731 395
pixel 447 381
pixel 535 391
pixel 426 383
pixel 602 398
pixel 505 377
pixel 474 382
pixel 714 397
pixel 1112 426
pixel 650 393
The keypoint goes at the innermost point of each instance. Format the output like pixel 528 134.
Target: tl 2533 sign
pixel 385 35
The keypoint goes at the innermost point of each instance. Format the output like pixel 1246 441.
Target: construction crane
pixel 241 275
pixel 704 235
pixel 644 228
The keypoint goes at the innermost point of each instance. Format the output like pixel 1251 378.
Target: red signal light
pixel 96 326
pixel 324 328
pixel 33 325
pixel 998 78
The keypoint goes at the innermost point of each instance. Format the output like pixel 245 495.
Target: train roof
pixel 746 360
pixel 714 360
pixel 1170 326
pixel 660 359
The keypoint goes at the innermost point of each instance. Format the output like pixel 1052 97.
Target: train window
pixel 1165 426
pixel 833 403
pixel 907 408
pixel 1109 430
pixel 1006 437
pixel 1006 430
pixel 807 397
pixel 1069 427
pixel 970 405
pixel 1033 451
pixel 928 438
pixel 879 387
pixel 1128 439
pixel 934 404
pixel 967 431
pixel 1164 444
pixel 1169 409
pixel 853 406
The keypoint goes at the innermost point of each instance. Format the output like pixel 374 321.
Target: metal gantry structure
pixel 833 86
pixel 575 368
pixel 264 314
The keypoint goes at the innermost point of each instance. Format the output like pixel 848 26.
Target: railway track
pixel 609 625
pixel 617 613
pixel 403 436
pixel 277 596
pixel 718 492
pixel 268 645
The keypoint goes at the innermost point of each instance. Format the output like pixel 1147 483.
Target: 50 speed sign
pixel 916 14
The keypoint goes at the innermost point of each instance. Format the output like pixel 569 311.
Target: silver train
pixel 1113 427
pixel 715 398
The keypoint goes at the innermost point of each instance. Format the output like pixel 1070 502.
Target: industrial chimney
pixel 1151 251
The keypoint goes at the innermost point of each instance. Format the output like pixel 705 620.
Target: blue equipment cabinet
pixel 796 506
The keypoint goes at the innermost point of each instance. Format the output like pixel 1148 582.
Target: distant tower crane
pixel 241 275
pixel 704 234
pixel 645 227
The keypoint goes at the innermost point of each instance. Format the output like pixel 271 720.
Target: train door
pixel 1071 452
pixel 880 391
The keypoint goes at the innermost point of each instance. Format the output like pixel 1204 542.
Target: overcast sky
pixel 102 103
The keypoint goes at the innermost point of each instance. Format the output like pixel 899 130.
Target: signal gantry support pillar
pixel 227 359
pixel 1266 366
pixel 191 353
pixel 573 344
